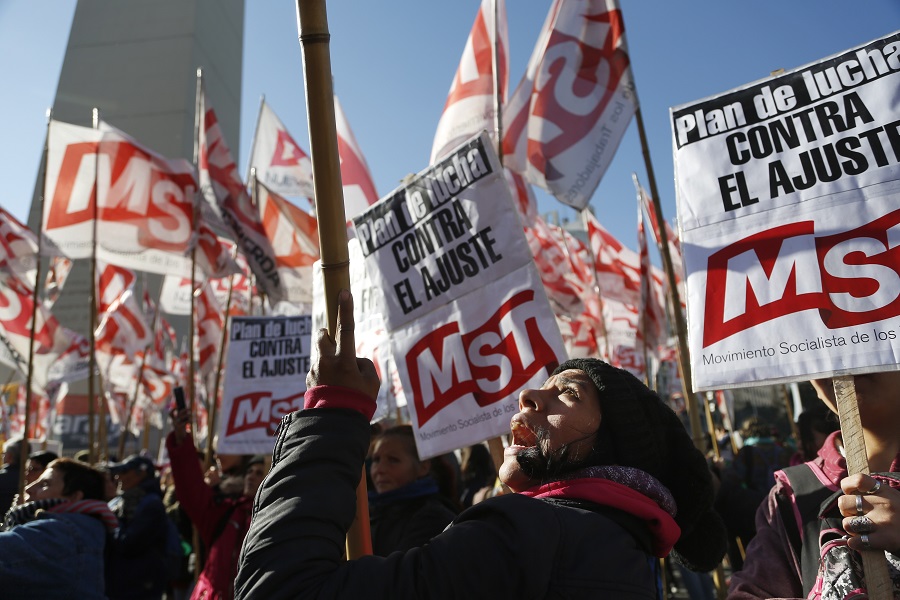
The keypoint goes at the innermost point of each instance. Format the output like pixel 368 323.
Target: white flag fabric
pixel 123 332
pixel 280 163
pixel 19 248
pixel 222 187
pixel 787 203
pixel 471 104
pixel 144 202
pixel 359 189
pixel 59 353
pixel 295 241
pixel 618 267
pixel 565 120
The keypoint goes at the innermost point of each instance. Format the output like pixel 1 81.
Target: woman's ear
pixel 423 469
pixel 76 496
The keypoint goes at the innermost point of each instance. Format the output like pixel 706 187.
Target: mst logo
pixel 850 277
pixel 131 187
pixel 490 362
pixel 259 410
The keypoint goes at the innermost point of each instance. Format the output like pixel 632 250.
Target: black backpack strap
pixel 809 496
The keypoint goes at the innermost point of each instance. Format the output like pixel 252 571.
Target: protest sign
pixel 463 303
pixel 788 204
pixel 265 379
pixel 427 243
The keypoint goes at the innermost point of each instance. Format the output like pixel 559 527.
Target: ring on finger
pixel 864 539
pixel 859 506
pixel 860 525
pixel 875 489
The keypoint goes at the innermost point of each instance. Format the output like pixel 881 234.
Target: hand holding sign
pixel 336 362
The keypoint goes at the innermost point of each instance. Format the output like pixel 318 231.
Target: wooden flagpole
pixel 684 367
pixel 214 397
pixel 35 298
pixel 312 26
pixel 199 108
pixel 878 581
pixel 92 307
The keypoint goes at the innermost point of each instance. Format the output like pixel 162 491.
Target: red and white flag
pixel 564 122
pixel 214 254
pixel 144 202
pixel 294 239
pixel 359 189
pixel 471 104
pixel 652 305
pixel 123 332
pixel 671 237
pixel 222 187
pixel 19 247
pixel 555 270
pixel 280 163
pixel 210 321
pixel 618 268
pixel 59 354
pixel 57 274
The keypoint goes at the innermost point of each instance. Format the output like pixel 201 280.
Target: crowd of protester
pixel 135 529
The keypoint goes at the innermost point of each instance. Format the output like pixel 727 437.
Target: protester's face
pixel 394 465
pixel 50 484
pixel 128 479
pixel 33 470
pixel 110 489
pixel 567 409
pixel 253 478
pixel 877 395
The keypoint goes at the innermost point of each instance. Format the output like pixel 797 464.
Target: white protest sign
pixel 789 204
pixel 468 320
pixel 265 379
pixel 427 243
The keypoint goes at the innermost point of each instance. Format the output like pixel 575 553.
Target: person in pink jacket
pixel 221 522
pixel 784 559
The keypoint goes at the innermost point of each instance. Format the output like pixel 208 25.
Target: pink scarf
pixel 616 495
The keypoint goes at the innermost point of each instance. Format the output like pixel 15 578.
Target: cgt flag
pixel 564 122
pixel 223 189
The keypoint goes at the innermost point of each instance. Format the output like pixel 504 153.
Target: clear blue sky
pixel 393 63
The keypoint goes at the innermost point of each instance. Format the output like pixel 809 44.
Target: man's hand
pixel 337 363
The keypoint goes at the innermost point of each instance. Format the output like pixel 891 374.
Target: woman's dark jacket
pixel 511 546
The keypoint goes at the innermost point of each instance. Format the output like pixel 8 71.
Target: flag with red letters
pixel 472 103
pixel 565 120
pixel 223 189
pixel 141 202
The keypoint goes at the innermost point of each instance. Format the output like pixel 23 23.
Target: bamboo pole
pixel 213 403
pixel 878 581
pixel 92 307
pixel 312 26
pixel 35 299
pixel 684 368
